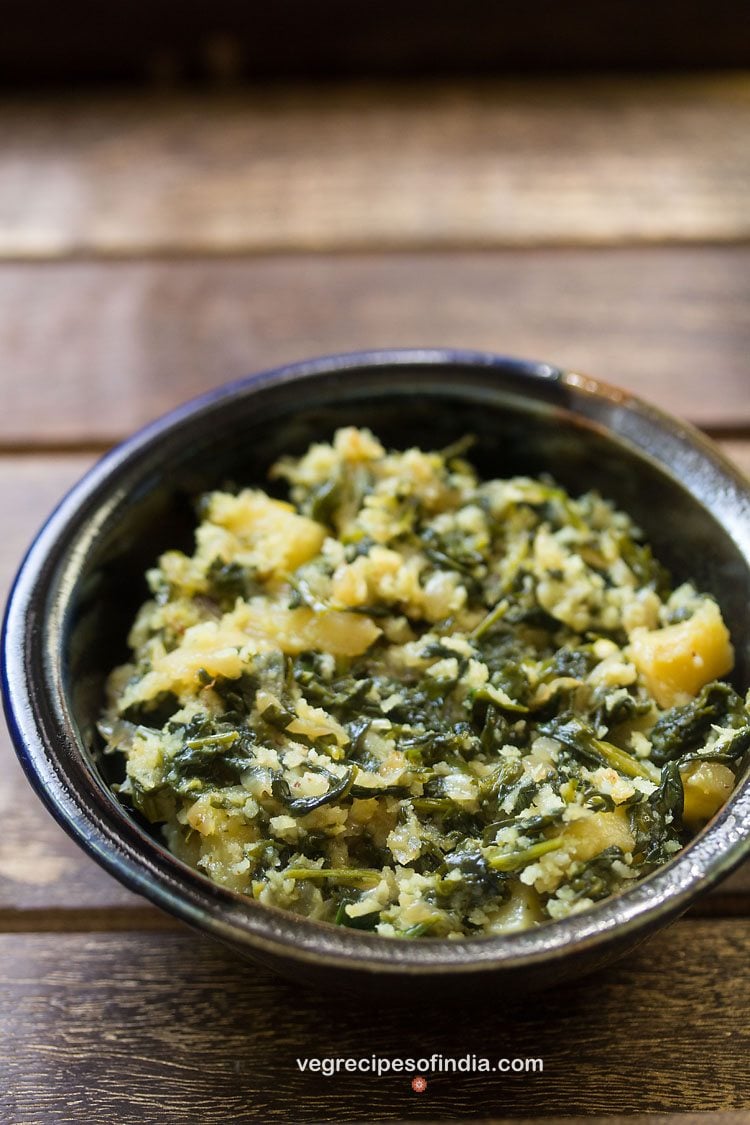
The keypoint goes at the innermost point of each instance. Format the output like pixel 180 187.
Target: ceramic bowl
pixel 82 580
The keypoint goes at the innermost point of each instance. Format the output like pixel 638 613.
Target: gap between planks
pixel 175 255
pixel 141 916
pixel 733 440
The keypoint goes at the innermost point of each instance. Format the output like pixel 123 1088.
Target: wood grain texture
pixel 738 451
pixel 708 1118
pixel 472 164
pixel 717 1118
pixel 171 1029
pixel 89 351
pixel 41 870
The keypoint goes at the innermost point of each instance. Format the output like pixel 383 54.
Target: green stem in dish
pixel 579 737
pixel 227 738
pixel 624 763
pixel 512 861
pixel 357 875
pixel 496 614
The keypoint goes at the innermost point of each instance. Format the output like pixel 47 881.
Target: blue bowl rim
pixel 146 867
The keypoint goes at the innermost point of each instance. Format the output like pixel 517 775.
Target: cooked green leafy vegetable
pixel 420 704
pixel 686 727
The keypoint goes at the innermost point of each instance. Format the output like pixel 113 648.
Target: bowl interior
pixel 236 443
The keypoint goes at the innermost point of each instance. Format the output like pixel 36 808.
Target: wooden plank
pixel 89 351
pixel 739 452
pixel 39 866
pixel 731 1118
pixel 41 870
pixel 719 1118
pixel 469 164
pixel 128 1028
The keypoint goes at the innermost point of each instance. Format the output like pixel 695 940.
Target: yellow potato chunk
pixel 220 842
pixel 591 835
pixel 280 540
pixel 520 911
pixel 314 722
pixel 357 445
pixel 209 647
pixel 214 648
pixel 302 630
pixel 707 786
pixel 678 660
pixel 145 760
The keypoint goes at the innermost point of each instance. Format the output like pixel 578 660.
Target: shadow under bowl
pixel 83 579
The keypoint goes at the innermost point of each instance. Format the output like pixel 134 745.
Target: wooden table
pixel 151 248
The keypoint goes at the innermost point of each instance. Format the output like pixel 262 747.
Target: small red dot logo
pixel 419 1085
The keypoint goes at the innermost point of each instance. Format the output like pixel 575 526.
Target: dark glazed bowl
pixel 82 580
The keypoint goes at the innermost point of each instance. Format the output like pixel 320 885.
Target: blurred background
pixel 190 192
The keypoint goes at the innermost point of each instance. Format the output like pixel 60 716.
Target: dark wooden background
pixel 248 190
